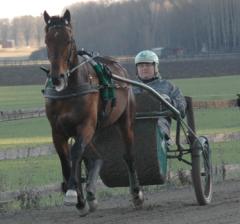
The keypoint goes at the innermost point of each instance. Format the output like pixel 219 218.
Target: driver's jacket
pixel 177 100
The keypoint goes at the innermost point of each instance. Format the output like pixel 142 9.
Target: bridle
pixel 71 69
pixel 69 60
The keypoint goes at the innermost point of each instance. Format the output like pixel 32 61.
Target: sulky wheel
pixel 202 170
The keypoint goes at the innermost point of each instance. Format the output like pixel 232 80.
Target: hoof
pixel 83 211
pixel 93 204
pixel 138 200
pixel 70 198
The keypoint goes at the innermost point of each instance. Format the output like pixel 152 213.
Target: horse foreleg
pixel 62 149
pixel 74 195
pixel 93 167
pixel 71 197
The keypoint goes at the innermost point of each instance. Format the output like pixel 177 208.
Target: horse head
pixel 61 48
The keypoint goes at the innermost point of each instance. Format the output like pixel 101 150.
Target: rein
pixel 89 59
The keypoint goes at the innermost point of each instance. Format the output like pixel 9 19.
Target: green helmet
pixel 146 57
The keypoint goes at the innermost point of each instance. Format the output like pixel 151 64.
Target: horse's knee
pixel 77 149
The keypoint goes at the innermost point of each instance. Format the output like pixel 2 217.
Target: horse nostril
pixel 61 75
pixel 54 80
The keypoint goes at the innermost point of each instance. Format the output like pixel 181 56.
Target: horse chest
pixel 67 117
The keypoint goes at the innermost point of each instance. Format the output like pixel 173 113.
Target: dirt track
pixel 166 206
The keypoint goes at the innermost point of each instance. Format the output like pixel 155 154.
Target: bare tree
pixel 125 27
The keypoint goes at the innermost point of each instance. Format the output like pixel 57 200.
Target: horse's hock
pixel 150 158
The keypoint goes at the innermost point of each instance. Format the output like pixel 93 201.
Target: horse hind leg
pixel 93 167
pixel 81 205
pixel 126 125
pixel 137 194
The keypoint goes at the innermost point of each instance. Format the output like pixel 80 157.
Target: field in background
pixel 24 133
pixel 33 172
pixel 21 97
pixel 30 96
pixel 32 132
pixel 223 87
pixel 15 53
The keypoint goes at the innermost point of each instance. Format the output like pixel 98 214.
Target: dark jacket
pixel 177 100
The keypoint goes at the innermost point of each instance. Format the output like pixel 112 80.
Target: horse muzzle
pixel 60 82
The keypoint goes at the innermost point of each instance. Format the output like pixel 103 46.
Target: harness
pixel 51 93
pixel 105 86
pixel 107 91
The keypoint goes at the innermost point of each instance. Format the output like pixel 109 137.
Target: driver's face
pixel 145 70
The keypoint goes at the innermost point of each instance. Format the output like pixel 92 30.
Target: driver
pixel 147 71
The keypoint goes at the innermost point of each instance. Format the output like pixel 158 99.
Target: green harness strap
pixel 107 92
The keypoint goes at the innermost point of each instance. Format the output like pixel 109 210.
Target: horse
pixel 74 109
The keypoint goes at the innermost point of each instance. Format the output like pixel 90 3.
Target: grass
pixel 32 132
pixel 217 121
pixel 20 97
pixel 22 133
pixel 23 174
pixel 222 153
pixel 224 87
pixel 37 131
pixel 17 174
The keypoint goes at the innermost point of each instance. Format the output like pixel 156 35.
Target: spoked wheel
pixel 202 170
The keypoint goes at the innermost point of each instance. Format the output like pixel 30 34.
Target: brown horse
pixel 74 109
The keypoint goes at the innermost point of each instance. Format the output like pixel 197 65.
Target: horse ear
pixel 67 16
pixel 47 18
